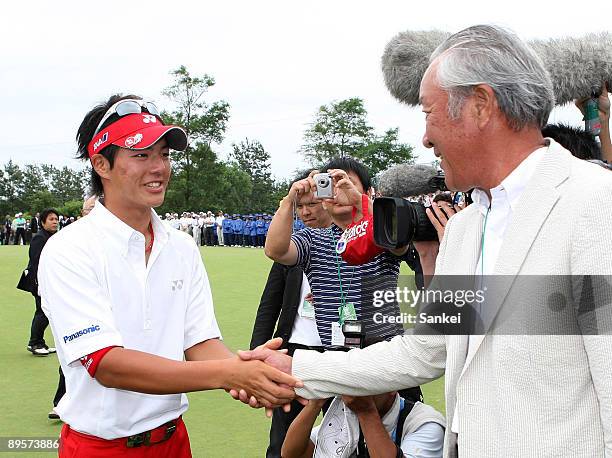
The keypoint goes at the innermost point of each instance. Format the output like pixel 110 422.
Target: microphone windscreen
pixel 405 180
pixel 577 66
pixel 405 60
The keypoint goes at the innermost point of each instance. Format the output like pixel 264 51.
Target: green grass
pixel 218 426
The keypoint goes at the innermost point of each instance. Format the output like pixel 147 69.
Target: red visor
pixel 137 131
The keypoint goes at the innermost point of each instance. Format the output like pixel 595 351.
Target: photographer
pixel 339 288
pixel 382 425
pixel 287 302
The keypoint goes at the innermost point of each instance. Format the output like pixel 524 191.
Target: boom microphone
pixel 406 180
pixel 577 66
pixel 405 60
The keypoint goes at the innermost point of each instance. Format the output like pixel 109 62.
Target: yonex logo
pixel 177 284
pixel 82 332
pixel 148 118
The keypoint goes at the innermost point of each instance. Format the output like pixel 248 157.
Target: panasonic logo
pixel 82 332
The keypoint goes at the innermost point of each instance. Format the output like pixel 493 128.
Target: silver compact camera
pixel 324 184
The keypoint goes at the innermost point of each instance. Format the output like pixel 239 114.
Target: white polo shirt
pixel 97 291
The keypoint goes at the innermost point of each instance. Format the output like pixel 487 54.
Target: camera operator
pixel 336 285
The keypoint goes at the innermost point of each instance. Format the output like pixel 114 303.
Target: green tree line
pixel 200 179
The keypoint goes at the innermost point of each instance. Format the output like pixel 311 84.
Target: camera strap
pixel 346 311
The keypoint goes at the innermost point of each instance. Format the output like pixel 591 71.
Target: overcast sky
pixel 274 62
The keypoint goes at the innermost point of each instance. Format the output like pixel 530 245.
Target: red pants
pixel 76 445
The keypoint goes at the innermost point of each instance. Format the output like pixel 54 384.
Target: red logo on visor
pixel 133 140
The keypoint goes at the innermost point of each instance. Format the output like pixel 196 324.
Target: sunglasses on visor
pixel 128 106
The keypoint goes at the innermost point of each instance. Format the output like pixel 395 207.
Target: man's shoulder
pixel 422 414
pixel 586 175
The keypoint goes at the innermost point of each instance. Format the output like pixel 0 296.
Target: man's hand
pixel 269 386
pixel 301 188
pixel 603 101
pixel 439 213
pixel 270 354
pixel 277 359
pixel 360 404
pixel 345 191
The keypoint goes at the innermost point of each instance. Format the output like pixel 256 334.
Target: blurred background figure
pixel 37 345
pixel 20 225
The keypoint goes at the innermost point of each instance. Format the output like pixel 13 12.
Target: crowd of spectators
pixel 245 230
pixel 20 229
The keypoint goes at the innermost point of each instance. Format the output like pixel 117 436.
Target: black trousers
pixel 208 236
pixel 261 240
pixel 228 238
pixel 20 233
pixel 61 388
pixel 39 324
pixel 281 420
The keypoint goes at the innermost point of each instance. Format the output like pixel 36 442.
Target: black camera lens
pixel 397 222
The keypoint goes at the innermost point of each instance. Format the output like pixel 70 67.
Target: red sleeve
pixel 91 362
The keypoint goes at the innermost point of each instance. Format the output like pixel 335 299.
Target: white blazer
pixel 517 396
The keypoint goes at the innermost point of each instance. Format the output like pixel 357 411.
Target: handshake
pixel 262 378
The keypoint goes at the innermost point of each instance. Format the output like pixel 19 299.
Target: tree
pixel 342 129
pixel 204 123
pixel 11 186
pixel 254 160
pixel 339 129
pixel 385 151
pixel 68 184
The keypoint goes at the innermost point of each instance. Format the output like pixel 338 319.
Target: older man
pixel 537 211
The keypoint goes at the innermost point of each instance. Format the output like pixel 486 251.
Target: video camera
pixel 398 222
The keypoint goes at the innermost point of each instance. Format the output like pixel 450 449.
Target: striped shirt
pixel 328 273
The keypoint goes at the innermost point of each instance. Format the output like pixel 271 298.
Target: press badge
pixel 307 309
pixel 337 337
pixel 349 311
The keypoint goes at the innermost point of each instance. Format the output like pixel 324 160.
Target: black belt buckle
pixel 170 429
pixel 145 438
pixel 136 440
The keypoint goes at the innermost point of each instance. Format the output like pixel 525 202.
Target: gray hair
pixel 491 55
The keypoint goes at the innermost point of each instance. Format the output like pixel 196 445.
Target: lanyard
pixel 482 244
pixel 343 295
